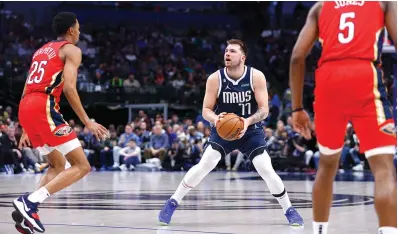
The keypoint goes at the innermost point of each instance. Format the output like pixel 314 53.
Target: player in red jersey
pixel 53 70
pixel 349 87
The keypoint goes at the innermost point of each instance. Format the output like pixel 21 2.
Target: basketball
pixel 229 127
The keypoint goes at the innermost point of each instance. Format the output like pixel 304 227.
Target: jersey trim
pixel 56 81
pixel 220 83
pixel 235 82
pixel 251 79
pixel 378 45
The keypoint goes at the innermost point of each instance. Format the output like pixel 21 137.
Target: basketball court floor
pixel 224 203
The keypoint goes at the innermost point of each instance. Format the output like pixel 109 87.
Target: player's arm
pixel 303 46
pixel 261 95
pixel 210 98
pixel 391 20
pixel 73 58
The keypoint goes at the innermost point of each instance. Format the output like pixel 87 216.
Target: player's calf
pixel 263 165
pixel 385 189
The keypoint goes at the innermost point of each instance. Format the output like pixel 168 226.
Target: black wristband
pixel 297 109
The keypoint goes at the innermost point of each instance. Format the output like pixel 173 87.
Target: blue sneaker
pixel 29 211
pixel 168 209
pixel 294 217
pixel 21 224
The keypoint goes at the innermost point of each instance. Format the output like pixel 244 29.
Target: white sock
pixel 181 191
pixel 39 195
pixel 196 174
pixel 283 199
pixel 263 165
pixel 388 230
pixel 320 227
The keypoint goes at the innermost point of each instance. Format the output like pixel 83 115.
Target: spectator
pixel 11 154
pixel 124 138
pixel 351 148
pixel 131 84
pixel 239 159
pixel 106 154
pixel 174 160
pixel 158 145
pixel 130 156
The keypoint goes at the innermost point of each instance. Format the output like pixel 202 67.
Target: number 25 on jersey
pixel 37 73
pixel 345 23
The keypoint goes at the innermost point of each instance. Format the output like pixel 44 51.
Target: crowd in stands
pixel 167 144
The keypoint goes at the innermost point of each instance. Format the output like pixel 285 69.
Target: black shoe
pixel 21 224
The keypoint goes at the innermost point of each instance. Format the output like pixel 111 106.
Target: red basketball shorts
pixel 353 91
pixel 40 117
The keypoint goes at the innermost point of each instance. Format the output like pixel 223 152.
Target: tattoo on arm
pixel 260 114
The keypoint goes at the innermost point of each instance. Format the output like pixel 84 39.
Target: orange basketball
pixel 229 127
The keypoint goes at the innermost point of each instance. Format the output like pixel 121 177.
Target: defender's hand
pixel 302 123
pixel 99 131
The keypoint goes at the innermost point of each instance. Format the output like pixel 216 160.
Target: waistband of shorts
pixel 37 94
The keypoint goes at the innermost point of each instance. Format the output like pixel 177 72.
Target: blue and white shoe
pixel 29 211
pixel 21 224
pixel 168 209
pixel 294 217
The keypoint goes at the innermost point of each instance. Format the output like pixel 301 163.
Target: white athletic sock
pixel 181 191
pixel 196 174
pixel 263 165
pixel 283 199
pixel 39 195
pixel 388 230
pixel 320 227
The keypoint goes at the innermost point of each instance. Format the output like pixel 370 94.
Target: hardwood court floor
pixel 129 202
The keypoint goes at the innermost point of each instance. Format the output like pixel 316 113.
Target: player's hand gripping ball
pixel 229 126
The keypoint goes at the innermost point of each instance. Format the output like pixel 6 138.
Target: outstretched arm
pixel 303 46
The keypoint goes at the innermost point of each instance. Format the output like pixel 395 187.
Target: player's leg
pixel 330 126
pixel 79 167
pixel 56 165
pixel 210 158
pixel 376 132
pixel 385 191
pixel 27 204
pixel 322 191
pixel 378 141
pixel 255 147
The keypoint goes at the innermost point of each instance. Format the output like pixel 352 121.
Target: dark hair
pixel 132 140
pixel 240 43
pixel 63 21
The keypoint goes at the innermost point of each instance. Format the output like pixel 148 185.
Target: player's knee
pixel 210 158
pixel 262 163
pixel 85 168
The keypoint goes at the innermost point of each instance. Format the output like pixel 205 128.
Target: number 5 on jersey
pixel 37 73
pixel 345 23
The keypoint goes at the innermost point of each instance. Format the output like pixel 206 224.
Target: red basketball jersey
pixel 351 30
pixel 45 73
